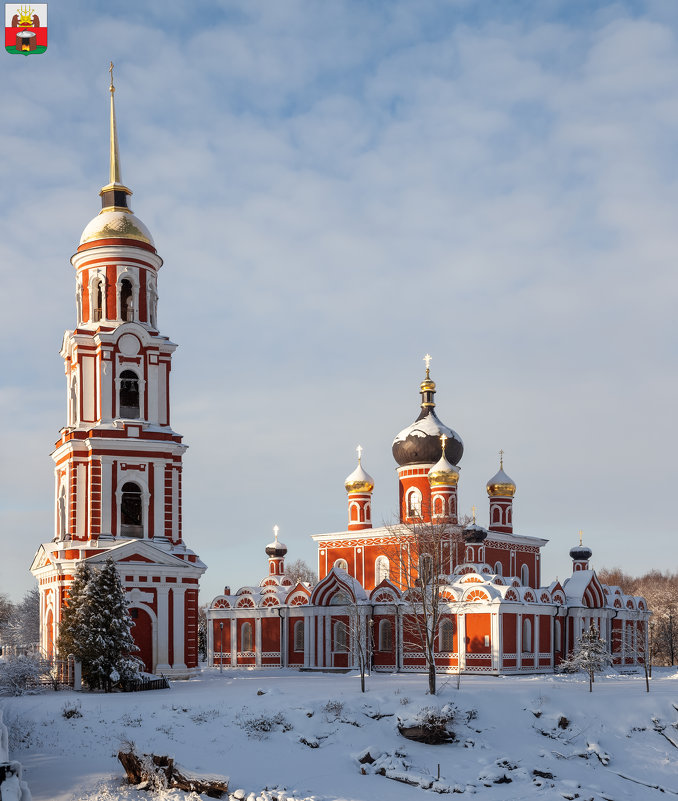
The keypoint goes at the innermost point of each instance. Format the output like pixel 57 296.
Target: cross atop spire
pixel 581 536
pixel 443 440
pixel 276 529
pixel 427 359
pixel 501 460
pixel 473 512
pixel 360 452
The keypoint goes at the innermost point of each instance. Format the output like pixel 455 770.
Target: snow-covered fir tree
pixel 590 654
pixel 108 642
pixel 71 628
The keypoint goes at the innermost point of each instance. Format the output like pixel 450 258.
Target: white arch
pixel 413 502
pixel 382 569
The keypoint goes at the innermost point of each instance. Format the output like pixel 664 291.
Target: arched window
pixel 368 511
pixel 439 506
pixel 496 515
pixel 129 395
pixel 341 563
pixel 498 569
pixel 246 637
pixel 354 512
pixel 98 310
pixel 340 636
pixel 414 503
pixel 446 636
pixel 425 568
pixel 525 576
pixel 382 569
pixel 339 599
pixel 385 635
pixel 126 301
pixel 527 636
pixel 557 636
pixel 131 513
pixel 74 401
pixel 299 635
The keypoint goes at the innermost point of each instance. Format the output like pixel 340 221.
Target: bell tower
pixel 118 461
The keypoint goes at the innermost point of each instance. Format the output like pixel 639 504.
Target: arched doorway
pixel 49 626
pixel 142 631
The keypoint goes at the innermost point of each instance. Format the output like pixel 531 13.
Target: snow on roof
pixel 429 426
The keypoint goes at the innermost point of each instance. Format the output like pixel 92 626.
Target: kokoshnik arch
pixel 118 461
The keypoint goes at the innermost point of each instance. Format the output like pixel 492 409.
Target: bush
pixel 20 675
pixel 260 726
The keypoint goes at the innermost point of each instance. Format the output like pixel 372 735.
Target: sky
pixel 337 189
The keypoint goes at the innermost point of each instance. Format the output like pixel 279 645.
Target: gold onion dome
pixel 443 473
pixel 359 480
pixel 115 220
pixel 501 485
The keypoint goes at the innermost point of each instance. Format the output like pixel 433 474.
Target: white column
pixel 210 641
pixel 519 641
pixel 162 595
pixel 309 640
pixel 178 594
pixel 257 640
pixel 234 641
pixel 461 642
pixel 152 385
pixel 535 637
pixel 328 641
pixel 495 634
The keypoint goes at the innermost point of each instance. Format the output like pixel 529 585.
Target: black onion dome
pixel 580 553
pixel 420 442
pixel 276 549
pixel 473 533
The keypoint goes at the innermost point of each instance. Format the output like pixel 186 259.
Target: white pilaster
pixel 162 594
pixel 178 594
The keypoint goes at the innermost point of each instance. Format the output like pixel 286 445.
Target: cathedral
pixel 491 612
pixel 118 461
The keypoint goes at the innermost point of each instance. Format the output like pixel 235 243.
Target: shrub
pixel 20 675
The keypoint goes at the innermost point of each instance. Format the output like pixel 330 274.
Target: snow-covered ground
pixel 516 738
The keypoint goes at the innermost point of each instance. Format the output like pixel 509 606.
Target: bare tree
pixel 359 639
pixel 590 655
pixel 660 590
pixel 422 555
pixel 299 570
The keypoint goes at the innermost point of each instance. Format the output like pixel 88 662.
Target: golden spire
pixel 114 177
pixel 473 512
pixel 581 535
pixel 114 194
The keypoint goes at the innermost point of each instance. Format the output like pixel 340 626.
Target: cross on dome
pixel 473 512
pixel 110 69
pixel 360 451
pixel 581 535
pixel 427 359
pixel 276 529
pixel 501 460
pixel 443 439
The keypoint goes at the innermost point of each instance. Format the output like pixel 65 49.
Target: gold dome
pixel 109 224
pixel 501 485
pixel 359 480
pixel 443 473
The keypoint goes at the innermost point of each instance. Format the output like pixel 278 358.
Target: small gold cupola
pixel 443 473
pixel 501 485
pixel 359 480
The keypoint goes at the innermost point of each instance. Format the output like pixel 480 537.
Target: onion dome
pixel 115 220
pixel 420 442
pixel 276 548
pixel 359 480
pixel 443 474
pixel 501 485
pixel 473 533
pixel 580 553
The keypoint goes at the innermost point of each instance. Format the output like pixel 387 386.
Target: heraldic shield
pixel 25 29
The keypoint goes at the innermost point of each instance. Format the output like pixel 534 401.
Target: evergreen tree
pixel 590 655
pixel 70 629
pixel 107 629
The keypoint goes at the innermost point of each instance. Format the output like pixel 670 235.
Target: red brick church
pixel 496 615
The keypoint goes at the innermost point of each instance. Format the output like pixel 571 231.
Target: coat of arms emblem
pixel 25 29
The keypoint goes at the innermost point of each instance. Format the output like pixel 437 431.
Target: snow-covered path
pixel 251 727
